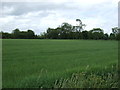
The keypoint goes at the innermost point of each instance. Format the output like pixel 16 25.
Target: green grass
pixel 90 78
pixel 39 63
pixel 0 63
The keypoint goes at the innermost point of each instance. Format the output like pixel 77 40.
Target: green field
pixel 39 63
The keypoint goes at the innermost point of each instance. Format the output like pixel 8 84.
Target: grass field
pixel 39 63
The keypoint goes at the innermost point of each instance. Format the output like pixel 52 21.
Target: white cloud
pixel 6 19
pixel 39 16
pixel 7 10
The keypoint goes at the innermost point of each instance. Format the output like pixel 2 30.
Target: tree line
pixel 17 34
pixel 64 31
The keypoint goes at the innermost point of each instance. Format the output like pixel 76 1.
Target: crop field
pixel 37 63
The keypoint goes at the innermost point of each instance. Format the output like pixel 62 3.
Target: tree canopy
pixel 65 31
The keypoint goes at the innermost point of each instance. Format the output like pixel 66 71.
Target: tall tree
pixel 116 32
pixel 96 33
pixel 16 33
pixel 85 34
pixel 106 36
pixel 112 36
pixel 30 34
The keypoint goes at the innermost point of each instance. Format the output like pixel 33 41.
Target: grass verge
pixel 106 77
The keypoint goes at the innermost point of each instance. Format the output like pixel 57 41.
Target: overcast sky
pixel 39 15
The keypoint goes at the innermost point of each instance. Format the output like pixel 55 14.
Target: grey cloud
pixel 51 11
pixel 25 7
pixel 119 14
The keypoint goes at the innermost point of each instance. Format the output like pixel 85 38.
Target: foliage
pixel 17 34
pixel 65 31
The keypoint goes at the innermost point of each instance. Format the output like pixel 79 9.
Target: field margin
pixel 0 63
